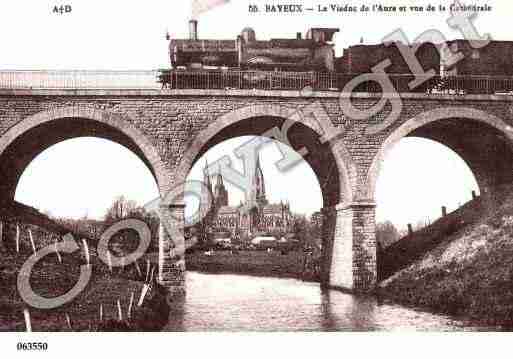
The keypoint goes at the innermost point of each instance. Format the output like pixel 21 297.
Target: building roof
pixel 228 210
pixel 260 239
pixel 275 207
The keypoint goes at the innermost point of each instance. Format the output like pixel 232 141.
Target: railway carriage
pixel 295 63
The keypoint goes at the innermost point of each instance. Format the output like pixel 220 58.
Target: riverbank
pixel 470 274
pixel 257 263
pixel 51 278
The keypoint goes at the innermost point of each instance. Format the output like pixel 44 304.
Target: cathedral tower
pixel 206 177
pixel 206 194
pixel 220 192
pixel 259 185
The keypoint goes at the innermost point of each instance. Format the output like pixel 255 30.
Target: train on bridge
pixel 292 63
pixel 312 53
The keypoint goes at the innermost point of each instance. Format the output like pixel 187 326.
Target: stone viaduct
pixel 170 129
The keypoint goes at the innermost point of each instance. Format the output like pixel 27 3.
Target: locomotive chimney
pixel 193 30
pixel 298 36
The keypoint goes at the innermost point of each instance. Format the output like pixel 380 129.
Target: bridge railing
pixel 75 79
pixel 373 83
pixel 261 80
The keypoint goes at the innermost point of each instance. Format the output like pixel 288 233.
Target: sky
pixel 116 34
pixel 131 35
pixel 82 176
pixel 305 197
pixel 407 191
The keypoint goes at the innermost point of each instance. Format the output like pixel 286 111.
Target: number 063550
pixel 32 346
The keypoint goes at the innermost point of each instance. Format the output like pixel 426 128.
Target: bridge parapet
pixel 78 79
pixel 253 80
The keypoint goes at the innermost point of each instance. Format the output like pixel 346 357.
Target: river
pixel 229 302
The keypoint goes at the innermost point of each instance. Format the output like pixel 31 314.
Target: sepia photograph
pixel 252 168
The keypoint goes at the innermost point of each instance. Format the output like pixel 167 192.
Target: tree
pixel 315 229
pixel 386 234
pixel 123 208
pixel 300 228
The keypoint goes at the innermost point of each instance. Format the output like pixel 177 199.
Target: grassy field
pixel 469 274
pixel 259 263
pixel 51 278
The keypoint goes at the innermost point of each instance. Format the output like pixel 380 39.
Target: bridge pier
pixel 172 249
pixel 350 247
pixel 152 124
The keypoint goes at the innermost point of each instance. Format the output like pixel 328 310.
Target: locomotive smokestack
pixel 193 30
pixel 298 36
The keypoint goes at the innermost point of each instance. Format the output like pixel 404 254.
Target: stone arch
pixel 121 124
pixel 346 168
pixel 351 271
pixel 424 119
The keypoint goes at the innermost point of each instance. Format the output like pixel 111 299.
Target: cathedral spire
pixel 220 192
pixel 259 183
pixel 220 178
pixel 206 177
pixel 206 195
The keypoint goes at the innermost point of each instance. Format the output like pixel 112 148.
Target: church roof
pixel 228 210
pixel 273 207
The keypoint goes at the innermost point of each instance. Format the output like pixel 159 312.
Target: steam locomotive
pixel 314 56
pixel 314 53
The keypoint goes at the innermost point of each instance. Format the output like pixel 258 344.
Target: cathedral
pixel 243 221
